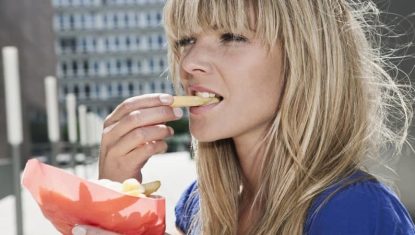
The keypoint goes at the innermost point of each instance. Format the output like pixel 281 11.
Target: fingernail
pixel 171 131
pixel 78 230
pixel 178 112
pixel 166 98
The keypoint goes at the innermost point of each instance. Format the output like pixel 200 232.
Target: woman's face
pixel 240 70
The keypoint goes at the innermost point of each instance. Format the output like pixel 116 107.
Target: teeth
pixel 205 94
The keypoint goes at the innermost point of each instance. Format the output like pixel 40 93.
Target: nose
pixel 197 61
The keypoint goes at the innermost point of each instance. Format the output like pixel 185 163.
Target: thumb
pixel 89 230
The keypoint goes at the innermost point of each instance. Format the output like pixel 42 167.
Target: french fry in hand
pixel 189 101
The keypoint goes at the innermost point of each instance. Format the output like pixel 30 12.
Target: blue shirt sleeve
pixel 363 208
pixel 187 207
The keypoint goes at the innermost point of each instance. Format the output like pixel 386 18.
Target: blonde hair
pixel 338 108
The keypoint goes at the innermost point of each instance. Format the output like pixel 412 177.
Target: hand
pixel 89 230
pixel 134 132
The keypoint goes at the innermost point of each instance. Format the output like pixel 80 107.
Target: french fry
pixel 132 185
pixel 135 193
pixel 188 101
pixel 151 187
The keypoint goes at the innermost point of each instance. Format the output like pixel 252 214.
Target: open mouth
pixel 207 95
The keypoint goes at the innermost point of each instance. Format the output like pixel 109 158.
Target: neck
pixel 250 153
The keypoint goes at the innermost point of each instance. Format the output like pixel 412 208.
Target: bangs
pixel 185 18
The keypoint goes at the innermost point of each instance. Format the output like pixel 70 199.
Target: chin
pixel 202 135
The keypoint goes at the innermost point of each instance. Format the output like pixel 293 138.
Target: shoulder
pixel 187 207
pixel 362 208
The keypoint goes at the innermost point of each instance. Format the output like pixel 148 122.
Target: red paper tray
pixel 66 200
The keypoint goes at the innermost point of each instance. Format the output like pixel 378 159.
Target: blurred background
pixel 99 52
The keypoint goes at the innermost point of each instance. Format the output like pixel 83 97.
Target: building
pixel 109 50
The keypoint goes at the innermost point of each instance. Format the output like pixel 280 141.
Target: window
pixel 150 42
pixel 61 22
pixel 87 90
pixel 109 68
pixel 76 90
pixel 62 44
pixel 115 20
pixel 127 42
pixel 117 43
pixel 129 66
pixel 161 64
pixel 75 67
pixel 158 17
pixel 94 45
pixel 137 41
pixel 105 19
pixel 139 66
pixel 137 19
pixel 84 45
pixel 112 44
pixel 160 41
pixel 131 88
pixel 71 22
pixel 82 21
pixel 151 64
pixel 64 69
pixel 109 89
pixel 96 90
pixel 96 67
pixel 126 20
pixel 86 67
pixel 107 44
pixel 65 90
pixel 120 89
pixel 118 64
pixel 148 19
pixel 140 88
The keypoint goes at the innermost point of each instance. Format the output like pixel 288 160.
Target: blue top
pixel 361 207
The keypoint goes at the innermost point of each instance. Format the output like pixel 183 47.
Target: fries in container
pixel 67 200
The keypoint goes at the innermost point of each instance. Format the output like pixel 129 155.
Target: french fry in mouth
pixel 189 101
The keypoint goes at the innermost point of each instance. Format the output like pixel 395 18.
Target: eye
pixel 230 37
pixel 185 41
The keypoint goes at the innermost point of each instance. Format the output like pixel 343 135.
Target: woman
pixel 305 100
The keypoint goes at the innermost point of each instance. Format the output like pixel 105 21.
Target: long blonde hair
pixel 338 108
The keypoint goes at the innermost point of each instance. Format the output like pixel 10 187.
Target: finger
pixel 139 118
pixel 137 102
pixel 139 137
pixel 142 154
pixel 89 230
